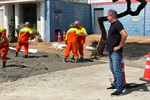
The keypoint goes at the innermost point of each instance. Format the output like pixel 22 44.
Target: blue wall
pixel 141 27
pixel 67 13
pixel 147 20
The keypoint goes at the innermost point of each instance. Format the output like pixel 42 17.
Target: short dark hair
pixel 113 13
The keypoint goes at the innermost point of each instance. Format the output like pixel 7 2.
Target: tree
pixel 103 38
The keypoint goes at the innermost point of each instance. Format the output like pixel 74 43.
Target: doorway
pixel 98 12
pixel 29 13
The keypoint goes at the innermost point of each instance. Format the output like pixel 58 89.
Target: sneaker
pixel 112 87
pixel 116 93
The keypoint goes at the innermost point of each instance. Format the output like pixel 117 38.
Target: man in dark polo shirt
pixel 114 45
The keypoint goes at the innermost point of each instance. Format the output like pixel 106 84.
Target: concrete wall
pixel 1 16
pixel 60 14
pixel 134 25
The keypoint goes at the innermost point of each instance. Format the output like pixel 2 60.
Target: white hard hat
pixel 27 23
pixel 76 22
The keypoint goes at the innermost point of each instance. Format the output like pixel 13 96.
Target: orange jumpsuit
pixel 4 45
pixel 81 39
pixel 71 39
pixel 23 38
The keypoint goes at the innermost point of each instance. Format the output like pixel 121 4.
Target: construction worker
pixel 81 39
pixel 4 46
pixel 71 42
pixel 24 35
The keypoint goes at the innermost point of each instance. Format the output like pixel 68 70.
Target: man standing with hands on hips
pixel 114 45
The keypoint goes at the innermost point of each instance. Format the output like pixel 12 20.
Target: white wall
pixel 8 13
pixel 41 19
pixel 17 14
pixel 1 16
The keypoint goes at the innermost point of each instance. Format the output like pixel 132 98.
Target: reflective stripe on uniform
pixel 1 29
pixel 26 30
pixel 71 30
pixel 82 31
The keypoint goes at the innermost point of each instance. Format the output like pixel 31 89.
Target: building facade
pixel 17 12
pixel 47 16
pixel 60 14
pixel 134 25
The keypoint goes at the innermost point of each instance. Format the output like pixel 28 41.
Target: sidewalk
pixel 84 83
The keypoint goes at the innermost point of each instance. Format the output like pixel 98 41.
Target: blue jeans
pixel 115 59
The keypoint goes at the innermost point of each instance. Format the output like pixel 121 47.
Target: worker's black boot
pixel 81 59
pixel 16 54
pixel 64 59
pixel 26 56
pixel 72 58
pixel 3 64
pixel 75 60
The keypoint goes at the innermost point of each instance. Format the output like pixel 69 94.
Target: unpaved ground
pixel 82 83
pixel 88 82
pixel 135 49
pixel 135 55
pixel 35 64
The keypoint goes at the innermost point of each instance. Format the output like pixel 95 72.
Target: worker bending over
pixel 81 39
pixel 71 42
pixel 24 35
pixel 4 46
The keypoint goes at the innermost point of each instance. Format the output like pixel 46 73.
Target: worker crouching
pixel 24 35
pixel 71 42
pixel 4 46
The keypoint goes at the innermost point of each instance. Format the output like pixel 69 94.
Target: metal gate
pixel 97 13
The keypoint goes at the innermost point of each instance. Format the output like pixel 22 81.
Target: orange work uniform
pixel 71 39
pixel 81 39
pixel 4 44
pixel 23 38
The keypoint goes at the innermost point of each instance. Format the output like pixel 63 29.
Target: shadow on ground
pixel 136 87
